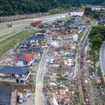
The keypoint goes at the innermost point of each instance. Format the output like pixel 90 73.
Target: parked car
pixel 21 98
pixel 28 95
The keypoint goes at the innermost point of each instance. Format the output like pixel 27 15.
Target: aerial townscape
pixel 52 53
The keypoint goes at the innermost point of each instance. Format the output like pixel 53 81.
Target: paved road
pixel 12 35
pixel 39 97
pixel 102 58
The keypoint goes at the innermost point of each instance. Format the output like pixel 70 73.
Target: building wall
pixel 16 76
pixel 19 63
pixel 31 62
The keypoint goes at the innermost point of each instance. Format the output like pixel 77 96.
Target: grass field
pixel 67 19
pixel 1 37
pixel 8 43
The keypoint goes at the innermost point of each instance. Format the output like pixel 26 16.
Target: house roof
pixel 26 42
pixel 5 95
pixel 13 70
pixel 66 27
pixel 42 31
pixel 34 48
pixel 35 37
pixel 24 57
pixel 25 51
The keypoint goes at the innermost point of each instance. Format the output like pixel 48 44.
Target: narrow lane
pixel 39 97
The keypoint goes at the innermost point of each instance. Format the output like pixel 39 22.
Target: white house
pixel 25 59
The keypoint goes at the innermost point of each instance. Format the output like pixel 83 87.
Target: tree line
pixel 93 13
pixel 12 7
pixel 93 2
pixel 97 36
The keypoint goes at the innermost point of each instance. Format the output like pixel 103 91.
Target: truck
pixel 36 23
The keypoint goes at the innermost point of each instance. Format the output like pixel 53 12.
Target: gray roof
pixel 5 95
pixel 25 51
pixel 34 48
pixel 13 70
pixel 37 37
pixel 42 31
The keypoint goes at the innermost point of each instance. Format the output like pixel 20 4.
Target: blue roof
pixel 22 58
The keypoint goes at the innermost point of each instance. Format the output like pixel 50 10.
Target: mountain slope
pixel 94 2
pixel 10 7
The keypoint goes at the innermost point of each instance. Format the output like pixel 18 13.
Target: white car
pixel 21 98
pixel 28 95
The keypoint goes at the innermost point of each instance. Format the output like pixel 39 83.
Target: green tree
pixel 88 11
pixel 97 41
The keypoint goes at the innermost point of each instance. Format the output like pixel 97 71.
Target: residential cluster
pixel 17 67
pixel 60 38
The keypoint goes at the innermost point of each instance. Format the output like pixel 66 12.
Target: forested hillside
pixel 93 2
pixel 11 7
